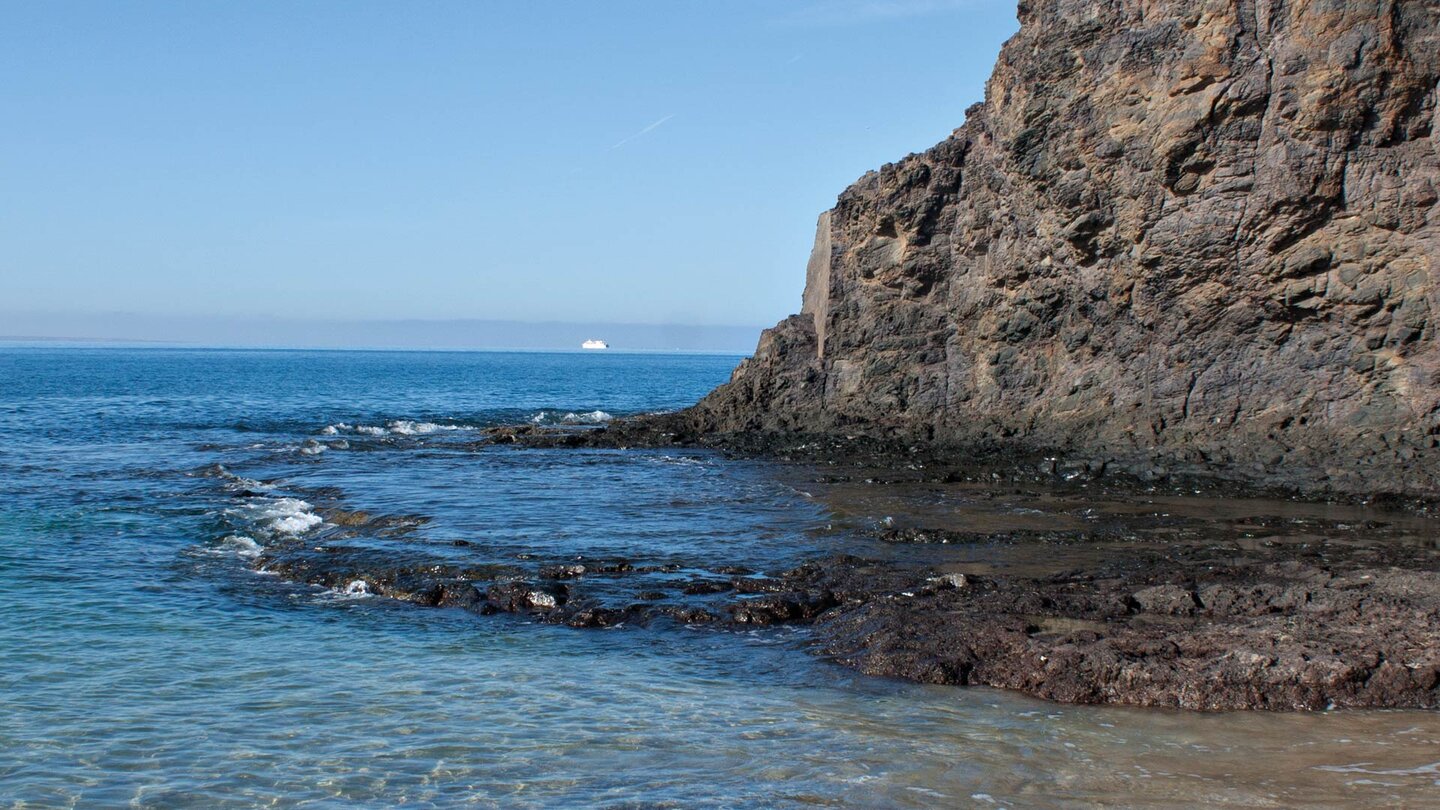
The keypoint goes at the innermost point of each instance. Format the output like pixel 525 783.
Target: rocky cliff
pixel 1177 235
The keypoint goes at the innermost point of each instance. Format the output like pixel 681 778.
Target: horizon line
pixel 145 343
pixel 38 313
pixel 182 329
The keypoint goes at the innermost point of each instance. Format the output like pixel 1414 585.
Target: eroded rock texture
pixel 1198 628
pixel 1177 235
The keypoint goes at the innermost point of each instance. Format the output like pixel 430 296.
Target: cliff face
pixel 1177 234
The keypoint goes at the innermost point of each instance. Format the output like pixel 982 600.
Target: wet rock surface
pixel 1210 628
pixel 1171 608
pixel 992 462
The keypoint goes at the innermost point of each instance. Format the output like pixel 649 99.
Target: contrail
pixel 624 141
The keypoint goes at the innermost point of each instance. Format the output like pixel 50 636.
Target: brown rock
pixel 1170 600
pixel 1177 235
pixel 1291 639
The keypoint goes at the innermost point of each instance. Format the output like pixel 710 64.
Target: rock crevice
pixel 1177 235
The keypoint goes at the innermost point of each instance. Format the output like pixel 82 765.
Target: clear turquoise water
pixel 146 664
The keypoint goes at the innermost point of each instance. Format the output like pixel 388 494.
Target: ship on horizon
pixel 594 344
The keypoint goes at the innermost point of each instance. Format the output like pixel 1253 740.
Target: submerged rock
pixel 1221 621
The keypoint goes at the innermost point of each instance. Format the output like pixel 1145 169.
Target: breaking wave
pixel 233 482
pixel 570 418
pixel 280 517
pixel 395 427
pixel 242 546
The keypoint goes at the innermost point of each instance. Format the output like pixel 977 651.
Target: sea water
pixel 145 662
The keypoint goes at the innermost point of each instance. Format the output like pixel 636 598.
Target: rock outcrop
pixel 1178 235
pixel 1226 609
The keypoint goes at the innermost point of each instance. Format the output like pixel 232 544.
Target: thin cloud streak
pixel 644 131
pixel 856 12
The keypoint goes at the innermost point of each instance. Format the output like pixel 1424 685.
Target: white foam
pixel 587 418
pixel 357 587
pixel 290 516
pixel 243 546
pixel 398 427
pixel 312 448
pixel 406 427
pixel 249 483
pixel 233 481
pixel 570 418
pixel 296 524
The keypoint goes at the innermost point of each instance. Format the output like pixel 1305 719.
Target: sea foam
pixel 406 427
pixel 570 418
pixel 243 546
pixel 587 418
pixel 396 427
pixel 283 516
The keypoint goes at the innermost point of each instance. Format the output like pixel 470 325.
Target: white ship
pixel 594 344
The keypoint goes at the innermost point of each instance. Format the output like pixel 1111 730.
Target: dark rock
pixel 1171 600
pixel 952 580
pixel 1176 238
pixel 704 586
pixel 1259 635
pixel 517 596
pixel 1206 612
pixel 758 584
pixel 593 617
pixel 783 607
pixel 692 615
pixel 461 595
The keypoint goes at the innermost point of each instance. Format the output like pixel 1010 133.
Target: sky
pixel 619 162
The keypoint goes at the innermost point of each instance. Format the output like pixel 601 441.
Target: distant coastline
pixel 460 334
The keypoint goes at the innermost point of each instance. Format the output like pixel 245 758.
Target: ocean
pixel 146 662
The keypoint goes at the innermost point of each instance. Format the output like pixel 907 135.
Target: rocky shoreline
pixel 1189 611
pixel 1209 628
pixel 981 461
pixel 1180 248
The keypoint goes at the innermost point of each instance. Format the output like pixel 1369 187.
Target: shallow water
pixel 147 664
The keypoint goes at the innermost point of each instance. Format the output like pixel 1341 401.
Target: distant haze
pixel 376 334
pixel 414 166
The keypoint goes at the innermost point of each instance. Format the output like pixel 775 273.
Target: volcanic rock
pixel 1177 236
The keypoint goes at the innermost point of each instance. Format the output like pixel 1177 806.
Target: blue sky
pixel 639 162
